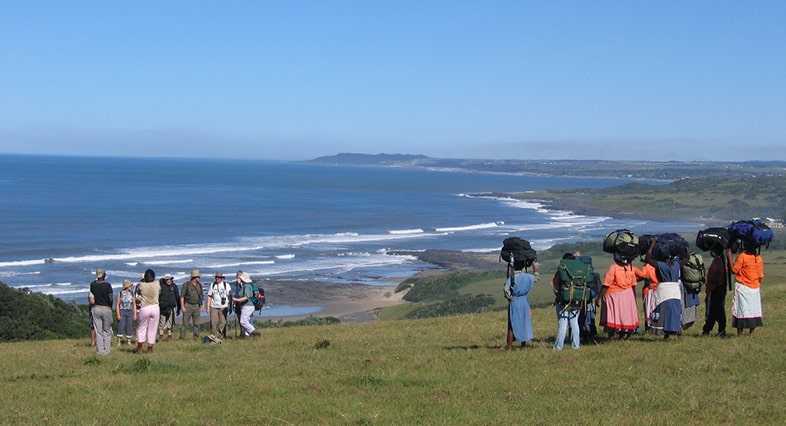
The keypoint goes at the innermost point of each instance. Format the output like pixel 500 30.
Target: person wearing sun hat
pixel 169 302
pixel 243 298
pixel 124 311
pixel 218 298
pixel 191 302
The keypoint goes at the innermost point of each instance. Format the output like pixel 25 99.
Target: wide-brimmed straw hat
pixel 127 284
pixel 195 273
pixel 168 277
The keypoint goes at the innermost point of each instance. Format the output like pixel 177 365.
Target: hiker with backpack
pixel 100 297
pixel 148 311
pixel 692 276
pixel 245 299
pixel 572 293
pixel 218 300
pixel 191 301
pixel 169 302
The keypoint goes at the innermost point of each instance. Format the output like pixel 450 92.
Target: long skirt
pixel 619 311
pixel 520 319
pixel 667 316
pixel 690 311
pixel 746 309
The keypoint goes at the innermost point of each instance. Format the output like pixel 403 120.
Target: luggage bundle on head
pixel 750 234
pixel 576 277
pixel 669 246
pixel 713 239
pixel 623 243
pixel 519 252
pixel 693 272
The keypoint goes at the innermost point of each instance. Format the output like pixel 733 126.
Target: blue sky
pixel 292 80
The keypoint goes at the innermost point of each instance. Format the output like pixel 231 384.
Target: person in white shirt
pixel 218 298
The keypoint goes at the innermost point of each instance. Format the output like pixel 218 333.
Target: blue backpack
pixel 754 233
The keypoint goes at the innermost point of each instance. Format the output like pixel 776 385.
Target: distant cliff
pixel 372 159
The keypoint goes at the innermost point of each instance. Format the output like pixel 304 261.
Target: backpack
pixel 520 251
pixel 751 233
pixel 622 242
pixel 713 239
pixel 575 279
pixel 669 246
pixel 693 273
pixel 257 296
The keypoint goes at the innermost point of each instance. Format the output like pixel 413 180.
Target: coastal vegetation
pixel 431 371
pixel 707 199
pixel 667 170
pixel 35 316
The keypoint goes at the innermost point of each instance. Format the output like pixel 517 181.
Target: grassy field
pixel 433 371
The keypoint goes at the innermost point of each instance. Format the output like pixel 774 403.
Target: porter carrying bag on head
pixel 693 272
pixel 622 242
pixel 520 251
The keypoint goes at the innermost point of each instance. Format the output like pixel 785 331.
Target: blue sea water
pixel 272 219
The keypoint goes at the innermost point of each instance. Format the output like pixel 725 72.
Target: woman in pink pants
pixel 147 311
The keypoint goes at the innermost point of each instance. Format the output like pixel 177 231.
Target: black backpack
pixel 518 250
pixel 669 246
pixel 710 239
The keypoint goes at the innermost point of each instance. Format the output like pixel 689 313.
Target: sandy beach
pixel 347 302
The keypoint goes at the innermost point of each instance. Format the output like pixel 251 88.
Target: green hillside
pixel 430 371
pixel 710 198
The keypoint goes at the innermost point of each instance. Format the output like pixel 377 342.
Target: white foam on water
pixel 168 262
pixel 479 226
pixel 345 263
pixel 137 255
pixel 31 286
pixel 33 262
pixel 285 257
pixel 229 265
pixel 10 274
pixel 405 231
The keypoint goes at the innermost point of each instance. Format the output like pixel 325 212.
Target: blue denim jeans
pixel 565 317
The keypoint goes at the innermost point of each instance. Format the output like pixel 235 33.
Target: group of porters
pixel 672 275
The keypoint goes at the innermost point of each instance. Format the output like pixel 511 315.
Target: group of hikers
pixel 672 278
pixel 154 306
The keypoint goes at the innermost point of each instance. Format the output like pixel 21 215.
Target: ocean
pixel 63 217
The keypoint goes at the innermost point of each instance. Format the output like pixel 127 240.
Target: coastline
pixel 347 302
pixel 586 203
